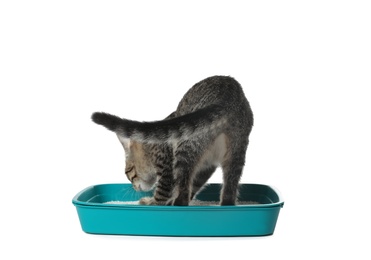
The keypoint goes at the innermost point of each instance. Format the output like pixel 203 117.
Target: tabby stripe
pixel 181 153
pixel 162 193
pixel 181 164
pixel 167 189
pixel 166 178
pixel 158 197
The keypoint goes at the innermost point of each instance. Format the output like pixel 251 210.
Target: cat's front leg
pixel 182 200
pixel 163 193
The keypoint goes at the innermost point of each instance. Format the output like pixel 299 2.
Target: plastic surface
pixel 125 219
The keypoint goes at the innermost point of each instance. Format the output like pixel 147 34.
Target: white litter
pixel 192 203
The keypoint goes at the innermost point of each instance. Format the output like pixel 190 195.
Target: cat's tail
pixel 207 119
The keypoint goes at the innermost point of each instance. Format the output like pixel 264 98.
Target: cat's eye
pixel 132 178
pixel 126 172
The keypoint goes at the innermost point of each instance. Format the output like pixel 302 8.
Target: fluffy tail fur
pixel 179 128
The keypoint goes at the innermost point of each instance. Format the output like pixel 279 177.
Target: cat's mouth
pixel 145 185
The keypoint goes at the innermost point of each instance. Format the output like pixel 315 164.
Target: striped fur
pixel 177 155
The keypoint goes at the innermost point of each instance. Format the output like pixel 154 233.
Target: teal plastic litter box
pixel 98 216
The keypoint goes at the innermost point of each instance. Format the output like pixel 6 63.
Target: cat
pixel 177 155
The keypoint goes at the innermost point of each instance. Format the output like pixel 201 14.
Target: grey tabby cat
pixel 177 155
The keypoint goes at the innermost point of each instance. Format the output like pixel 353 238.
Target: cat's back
pixel 222 90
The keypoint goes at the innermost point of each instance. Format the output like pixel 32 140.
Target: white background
pixel 304 66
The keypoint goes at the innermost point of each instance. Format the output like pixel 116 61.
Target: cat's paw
pixel 181 201
pixel 147 201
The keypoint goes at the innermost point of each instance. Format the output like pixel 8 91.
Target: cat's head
pixel 139 169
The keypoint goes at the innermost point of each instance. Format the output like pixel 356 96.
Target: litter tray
pixel 111 209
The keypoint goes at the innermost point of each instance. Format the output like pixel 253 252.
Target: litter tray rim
pixel 78 203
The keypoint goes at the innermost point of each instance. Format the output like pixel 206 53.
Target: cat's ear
pixel 125 143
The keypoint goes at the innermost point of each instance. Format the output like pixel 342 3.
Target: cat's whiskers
pixel 125 192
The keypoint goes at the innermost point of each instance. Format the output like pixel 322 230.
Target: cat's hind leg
pixel 232 171
pixel 200 179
